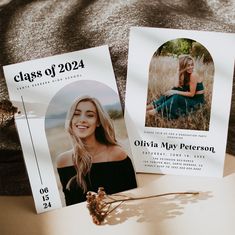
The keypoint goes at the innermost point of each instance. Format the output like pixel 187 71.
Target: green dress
pixel 176 105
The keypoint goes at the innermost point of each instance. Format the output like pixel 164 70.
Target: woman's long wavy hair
pixel 104 133
pixel 184 76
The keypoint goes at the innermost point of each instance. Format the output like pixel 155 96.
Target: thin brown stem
pixel 151 196
pixel 115 207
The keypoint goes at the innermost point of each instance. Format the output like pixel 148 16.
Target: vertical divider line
pixel 35 155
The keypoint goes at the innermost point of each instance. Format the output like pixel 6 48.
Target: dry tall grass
pixel 163 75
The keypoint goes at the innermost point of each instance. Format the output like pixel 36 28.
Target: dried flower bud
pixel 96 206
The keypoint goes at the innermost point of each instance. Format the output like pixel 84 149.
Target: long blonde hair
pixel 104 134
pixel 184 76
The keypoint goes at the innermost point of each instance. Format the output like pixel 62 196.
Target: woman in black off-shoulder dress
pixel 96 160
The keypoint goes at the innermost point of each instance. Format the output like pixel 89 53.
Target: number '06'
pixel 43 190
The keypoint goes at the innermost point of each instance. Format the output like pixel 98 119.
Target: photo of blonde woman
pixel 88 141
pixel 95 159
pixel 180 86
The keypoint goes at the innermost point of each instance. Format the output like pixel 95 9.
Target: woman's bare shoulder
pixel 117 153
pixel 196 78
pixel 64 159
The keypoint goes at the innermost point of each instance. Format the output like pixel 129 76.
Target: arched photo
pixel 88 141
pixel 180 86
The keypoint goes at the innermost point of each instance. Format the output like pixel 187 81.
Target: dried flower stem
pixel 151 196
pixel 114 207
pixel 99 204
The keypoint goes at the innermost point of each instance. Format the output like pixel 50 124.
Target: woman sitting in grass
pixel 183 99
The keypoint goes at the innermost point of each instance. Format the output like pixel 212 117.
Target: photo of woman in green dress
pixel 186 104
pixel 184 98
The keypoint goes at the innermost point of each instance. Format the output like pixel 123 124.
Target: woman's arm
pixel 192 88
